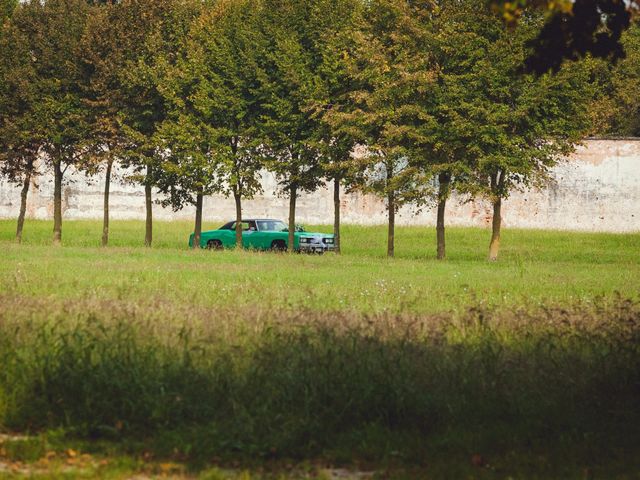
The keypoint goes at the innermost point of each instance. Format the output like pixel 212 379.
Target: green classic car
pixel 265 234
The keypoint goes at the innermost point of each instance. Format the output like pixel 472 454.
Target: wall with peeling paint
pixel 596 189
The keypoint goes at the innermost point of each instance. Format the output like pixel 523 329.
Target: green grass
pixel 408 366
pixel 535 267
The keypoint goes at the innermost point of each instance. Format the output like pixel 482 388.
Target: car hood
pixel 314 234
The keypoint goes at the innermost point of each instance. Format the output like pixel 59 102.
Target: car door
pixel 249 232
pixel 245 229
pixel 264 237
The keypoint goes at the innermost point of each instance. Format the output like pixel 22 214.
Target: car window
pixel 271 225
pixel 245 226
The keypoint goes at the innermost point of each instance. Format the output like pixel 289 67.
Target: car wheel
pixel 214 245
pixel 279 246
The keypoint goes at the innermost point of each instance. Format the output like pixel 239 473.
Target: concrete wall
pixel 596 189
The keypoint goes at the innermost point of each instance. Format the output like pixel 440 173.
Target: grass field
pixel 408 367
pixel 535 267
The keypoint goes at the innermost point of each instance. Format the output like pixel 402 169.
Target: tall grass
pixel 296 383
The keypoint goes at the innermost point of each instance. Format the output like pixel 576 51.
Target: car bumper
pixel 315 248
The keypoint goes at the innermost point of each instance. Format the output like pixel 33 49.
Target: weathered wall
pixel 597 189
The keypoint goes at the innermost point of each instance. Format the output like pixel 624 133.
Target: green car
pixel 265 234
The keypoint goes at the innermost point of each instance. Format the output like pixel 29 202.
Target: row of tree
pixel 410 100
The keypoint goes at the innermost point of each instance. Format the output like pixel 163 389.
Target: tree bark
pixel 293 195
pixel 57 202
pixel 238 199
pixel 148 237
pixel 497 185
pixel 392 225
pixel 197 231
pixel 23 200
pixel 105 214
pixel 336 214
pixel 494 246
pixel 444 182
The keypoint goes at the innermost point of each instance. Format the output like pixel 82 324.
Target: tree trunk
pixel 238 199
pixel 148 237
pixel 23 200
pixel 293 194
pixel 392 225
pixel 494 246
pixel 336 214
pixel 197 231
pixel 497 187
pixel 105 208
pixel 444 181
pixel 57 202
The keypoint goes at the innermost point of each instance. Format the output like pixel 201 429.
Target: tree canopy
pixel 411 101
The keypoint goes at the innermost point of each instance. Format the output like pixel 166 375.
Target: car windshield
pixel 271 225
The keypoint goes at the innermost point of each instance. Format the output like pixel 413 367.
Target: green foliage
pixel 125 56
pixel 211 96
pixel 6 9
pixel 19 139
pixel 340 22
pixel 225 50
pixel 53 31
pixel 187 167
pixel 392 78
pixel 41 106
pixel 616 108
pixel 572 30
pixel 100 62
pixel 288 88
pixel 506 125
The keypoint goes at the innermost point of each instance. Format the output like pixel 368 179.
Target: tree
pixel 57 30
pixel 19 144
pixel 522 124
pixel 386 172
pixel 338 165
pixel 189 168
pixel 53 117
pixel 122 54
pixel 100 54
pixel 289 89
pixel 335 144
pixel 442 137
pixel 392 75
pixel 215 89
pixel 18 164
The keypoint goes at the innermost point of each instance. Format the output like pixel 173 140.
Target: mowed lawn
pixel 535 267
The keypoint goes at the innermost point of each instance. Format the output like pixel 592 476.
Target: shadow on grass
pixel 266 384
